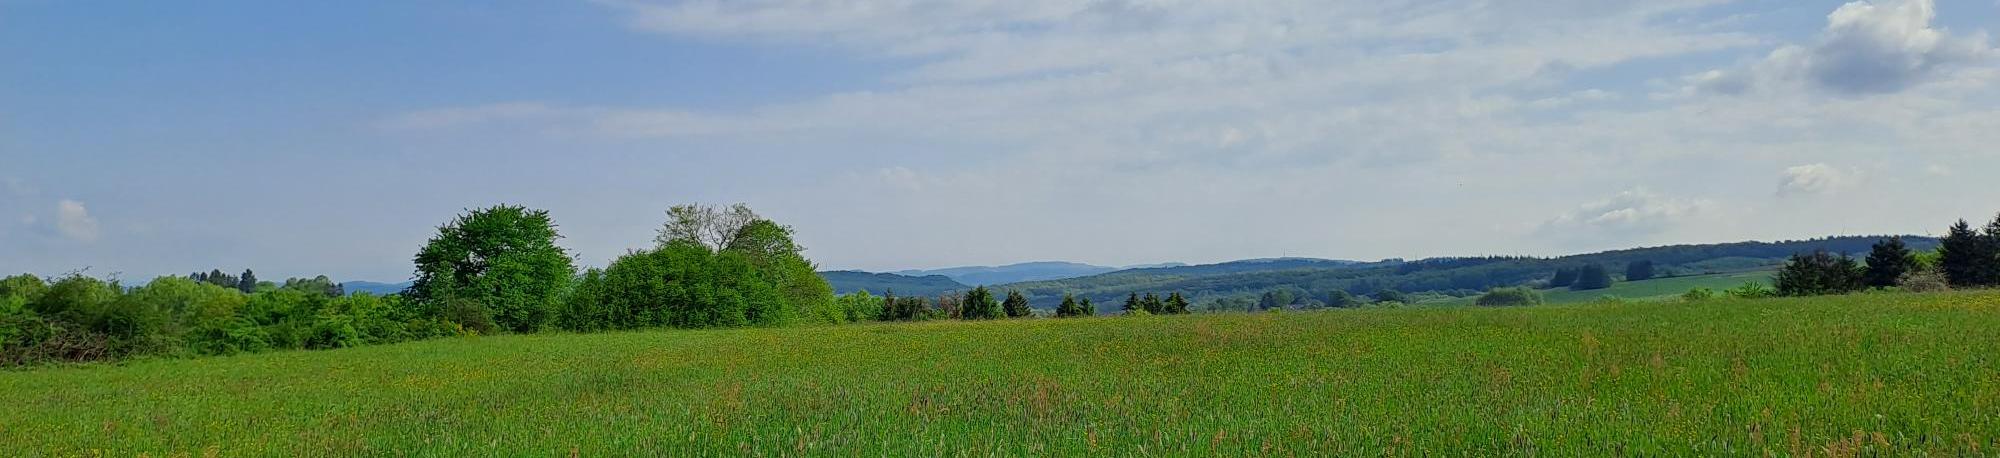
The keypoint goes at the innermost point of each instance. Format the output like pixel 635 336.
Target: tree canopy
pixel 502 259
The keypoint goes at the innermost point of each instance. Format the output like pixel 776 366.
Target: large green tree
pixel 1969 258
pixel 1888 260
pixel 502 259
pixel 1819 273
pixel 980 305
pixel 770 248
pixel 1591 276
pixel 1016 305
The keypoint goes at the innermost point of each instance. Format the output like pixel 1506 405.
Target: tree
pixel 1969 258
pixel 1152 304
pixel 1391 295
pixel 1016 306
pixel 1591 276
pixel 1132 303
pixel 1176 304
pixel 247 283
pixel 685 285
pixel 1341 299
pixel 859 306
pixel 1269 301
pixel 770 248
pixel 1086 308
pixel 1819 273
pixel 1069 307
pixel 1888 261
pixel 1509 297
pixel 1639 270
pixel 504 259
pixel 1564 277
pixel 707 225
pixel 980 305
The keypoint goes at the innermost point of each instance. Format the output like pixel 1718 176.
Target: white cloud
pixel 74 221
pixel 1867 47
pixel 1816 179
pixel 1630 213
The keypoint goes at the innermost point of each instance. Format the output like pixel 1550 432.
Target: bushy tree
pixel 1564 277
pixel 1639 270
pixel 1509 297
pixel 247 283
pixel 859 306
pixel 685 285
pixel 1820 273
pixel 707 225
pixel 980 305
pixel 1392 296
pixel 502 258
pixel 1341 299
pixel 770 248
pixel 1591 277
pixel 1888 261
pixel 1016 305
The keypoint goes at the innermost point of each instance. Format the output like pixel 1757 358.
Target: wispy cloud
pixel 74 221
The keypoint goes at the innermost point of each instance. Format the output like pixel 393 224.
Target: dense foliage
pixel 1509 297
pixel 503 260
pixel 1820 273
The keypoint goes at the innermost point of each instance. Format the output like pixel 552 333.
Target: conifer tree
pixel 1968 258
pixel 1085 308
pixel 980 305
pixel 1152 304
pixel 1176 304
pixel 248 283
pixel 1016 306
pixel 1132 303
pixel 1888 260
pixel 1069 307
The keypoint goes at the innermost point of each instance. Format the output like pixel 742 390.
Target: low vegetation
pixel 1856 375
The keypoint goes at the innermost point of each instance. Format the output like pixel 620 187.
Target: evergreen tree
pixel 1639 270
pixel 248 283
pixel 1888 261
pixel 1968 258
pixel 1016 306
pixel 1069 307
pixel 1085 308
pixel 1177 304
pixel 1591 276
pixel 1153 305
pixel 1820 273
pixel 980 305
pixel 1564 277
pixel 1132 303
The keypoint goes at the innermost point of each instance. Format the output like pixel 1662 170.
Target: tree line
pixel 1964 258
pixel 488 271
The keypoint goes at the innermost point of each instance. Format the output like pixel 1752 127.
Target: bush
pixel 1509 297
pixel 1698 295
pixel 1752 290
pixel 1924 280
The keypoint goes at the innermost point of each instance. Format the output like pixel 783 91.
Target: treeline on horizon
pixel 500 270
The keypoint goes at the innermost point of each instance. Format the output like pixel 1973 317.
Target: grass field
pixel 1658 289
pixel 1865 374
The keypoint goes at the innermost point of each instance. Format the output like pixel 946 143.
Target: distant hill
pixel 1012 273
pixel 848 281
pixel 374 287
pixel 1230 284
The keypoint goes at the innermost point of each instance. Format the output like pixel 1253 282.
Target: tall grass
pixel 1883 374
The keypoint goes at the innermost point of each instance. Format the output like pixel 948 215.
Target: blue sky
pixel 302 138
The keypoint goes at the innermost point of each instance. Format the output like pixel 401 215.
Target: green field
pixel 1658 289
pixel 1881 374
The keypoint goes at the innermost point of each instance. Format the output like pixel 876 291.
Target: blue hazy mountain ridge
pixel 377 288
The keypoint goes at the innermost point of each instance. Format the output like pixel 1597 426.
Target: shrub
pixel 1924 281
pixel 1698 295
pixel 1509 297
pixel 1752 290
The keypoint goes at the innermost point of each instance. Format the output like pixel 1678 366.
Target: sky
pixel 332 137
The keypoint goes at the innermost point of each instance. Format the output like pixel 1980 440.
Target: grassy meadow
pixel 1862 374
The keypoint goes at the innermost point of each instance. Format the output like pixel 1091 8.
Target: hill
pixel 374 287
pixel 1012 273
pixel 1658 289
pixel 1230 285
pixel 848 281
pixel 1863 375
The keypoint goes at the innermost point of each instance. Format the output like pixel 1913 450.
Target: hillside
pixel 1012 273
pixel 848 281
pixel 1863 375
pixel 1314 279
pixel 1658 289
pixel 376 288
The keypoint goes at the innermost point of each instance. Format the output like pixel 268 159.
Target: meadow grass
pixel 1862 374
